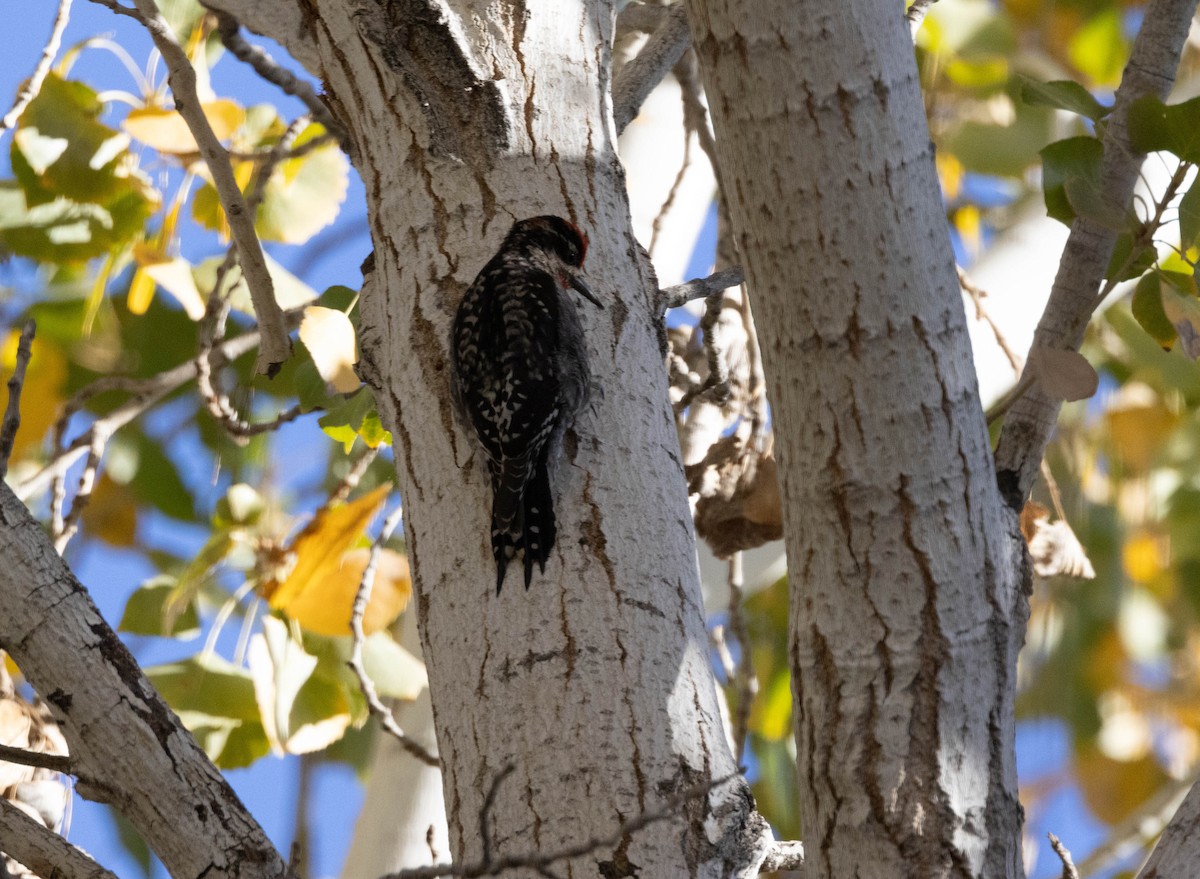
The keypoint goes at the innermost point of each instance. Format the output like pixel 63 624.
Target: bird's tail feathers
pixel 522 515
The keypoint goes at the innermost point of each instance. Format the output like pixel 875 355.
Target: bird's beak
pixel 582 289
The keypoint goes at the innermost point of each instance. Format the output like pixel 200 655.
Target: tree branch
pixel 916 14
pixel 12 412
pixel 639 77
pixel 270 70
pixel 37 759
pixel 129 748
pixel 361 598
pixel 275 347
pixel 700 288
pixel 1150 71
pixel 42 850
pixel 33 85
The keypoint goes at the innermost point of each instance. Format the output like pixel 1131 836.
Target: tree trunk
pixel 907 611
pixel 595 685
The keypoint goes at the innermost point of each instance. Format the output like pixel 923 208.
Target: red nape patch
pixel 582 237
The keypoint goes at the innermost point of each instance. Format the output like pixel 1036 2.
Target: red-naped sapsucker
pixel 519 375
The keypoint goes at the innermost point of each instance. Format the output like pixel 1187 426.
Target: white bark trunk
pixel 595 684
pixel 906 612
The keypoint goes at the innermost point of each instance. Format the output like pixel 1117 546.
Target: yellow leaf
pixel 951 172
pixel 172 274
pixel 318 549
pixel 111 513
pixel 1113 789
pixel 1139 425
pixel 324 608
pixel 41 395
pixel 329 337
pixel 1142 556
pixel 165 130
pixel 141 292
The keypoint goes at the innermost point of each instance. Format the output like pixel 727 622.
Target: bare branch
pixel 361 598
pixel 643 17
pixel 275 346
pixel 350 481
pixel 129 748
pixel 12 412
pixel 977 296
pixel 42 850
pixel 700 288
pixel 783 855
pixel 270 70
pixel 542 862
pixel 37 759
pixel 1068 870
pixel 745 681
pixel 639 77
pixel 146 393
pixel 33 85
pixel 1150 71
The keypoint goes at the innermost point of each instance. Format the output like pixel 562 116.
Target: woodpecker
pixel 519 375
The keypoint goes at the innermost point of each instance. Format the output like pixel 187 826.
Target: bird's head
pixel 562 240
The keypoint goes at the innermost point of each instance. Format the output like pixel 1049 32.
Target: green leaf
pixel 344 421
pixel 1126 265
pixel 1076 158
pixel 146 612
pixel 395 672
pixel 215 700
pixel 1004 150
pixel 64 230
pixel 157 481
pixel 1155 126
pixel 311 389
pixel 1189 217
pixel 1063 94
pixel 241 505
pixel 1184 314
pixel 1147 309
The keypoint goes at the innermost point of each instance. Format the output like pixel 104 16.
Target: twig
pixel 485 811
pixel 293 153
pixel 540 862
pixel 1068 870
pixel 784 854
pixel 672 193
pixel 350 481
pixel 377 708
pixel 12 412
pixel 643 17
pixel 147 392
pixel 639 77
pixel 42 850
pixel 33 85
pixel 916 14
pixel 1150 71
pixel 69 526
pixel 275 346
pixel 700 288
pixel 977 296
pixel 36 759
pixel 270 70
pixel 716 384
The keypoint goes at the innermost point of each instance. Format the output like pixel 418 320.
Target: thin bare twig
pixel 541 862
pixel 485 811
pixel 350 481
pixel 66 528
pixel 293 153
pixel 33 85
pixel 42 850
pixel 361 598
pixel 977 295
pixel 639 77
pixel 12 412
pixel 716 385
pixel 700 288
pixel 270 70
pixel 1068 870
pixel 275 346
pixel 37 759
pixel 146 393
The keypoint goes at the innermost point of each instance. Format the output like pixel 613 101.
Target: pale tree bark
pixel 907 612
pixel 595 684
pixel 126 747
